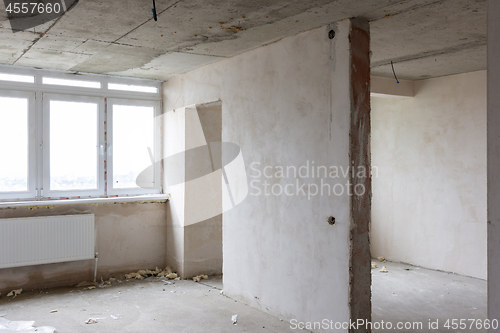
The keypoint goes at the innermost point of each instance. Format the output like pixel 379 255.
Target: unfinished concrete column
pixel 493 138
pixel 360 270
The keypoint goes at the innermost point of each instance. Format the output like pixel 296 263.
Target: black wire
pixel 154 11
pixel 394 72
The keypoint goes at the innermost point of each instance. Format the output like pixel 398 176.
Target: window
pixel 17 151
pixel 131 137
pixel 71 83
pixel 128 87
pixel 17 78
pixel 58 140
pixel 73 139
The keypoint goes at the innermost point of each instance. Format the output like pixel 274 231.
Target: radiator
pixel 47 239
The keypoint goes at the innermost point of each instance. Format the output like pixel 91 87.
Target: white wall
pixel 429 199
pixel 493 161
pixel 284 104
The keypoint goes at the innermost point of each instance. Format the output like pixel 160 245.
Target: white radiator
pixel 47 239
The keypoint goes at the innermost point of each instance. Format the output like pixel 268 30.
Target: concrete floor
pixel 140 306
pixel 411 294
pixel 404 294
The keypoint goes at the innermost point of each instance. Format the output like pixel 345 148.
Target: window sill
pixel 153 198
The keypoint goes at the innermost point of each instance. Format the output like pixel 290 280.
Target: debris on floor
pixel 15 292
pixel 384 270
pixel 381 259
pixel 374 264
pixel 115 317
pixel 91 321
pixel 53 311
pixel 200 277
pixel 139 275
pixel 22 326
pixel 144 273
pixel 235 319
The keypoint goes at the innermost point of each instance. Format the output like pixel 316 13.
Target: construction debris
pixel 23 326
pixel 52 311
pixel 235 319
pixel 374 264
pixel 200 277
pixel 381 259
pixel 384 270
pixel 144 273
pixel 91 321
pixel 139 275
pixel 15 292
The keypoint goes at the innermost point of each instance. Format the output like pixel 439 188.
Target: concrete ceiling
pixel 424 38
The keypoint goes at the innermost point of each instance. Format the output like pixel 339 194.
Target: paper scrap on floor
pixel 7 326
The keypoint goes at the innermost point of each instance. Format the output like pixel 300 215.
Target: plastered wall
pixel 493 162
pixel 130 236
pixel 429 197
pixel 284 104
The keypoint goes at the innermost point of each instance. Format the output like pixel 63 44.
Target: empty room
pixel 249 166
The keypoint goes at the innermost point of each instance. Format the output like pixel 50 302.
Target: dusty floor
pixel 140 306
pixel 404 294
pixel 409 293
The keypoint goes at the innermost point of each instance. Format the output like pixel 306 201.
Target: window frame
pixel 37 184
pixel 49 193
pixel 156 151
pixel 32 151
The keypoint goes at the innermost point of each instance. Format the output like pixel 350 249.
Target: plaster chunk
pixel 15 292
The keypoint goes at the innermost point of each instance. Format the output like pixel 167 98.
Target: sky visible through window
pixel 73 145
pixel 133 133
pixel 13 144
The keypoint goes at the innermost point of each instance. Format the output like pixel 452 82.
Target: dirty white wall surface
pixel 284 104
pixel 130 236
pixel 493 161
pixel 429 199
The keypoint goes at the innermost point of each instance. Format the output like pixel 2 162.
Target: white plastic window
pixel 132 147
pixel 73 146
pixel 17 144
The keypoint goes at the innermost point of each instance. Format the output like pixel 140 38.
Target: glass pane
pixel 71 83
pixel 13 144
pixel 127 87
pixel 73 145
pixel 133 140
pixel 17 78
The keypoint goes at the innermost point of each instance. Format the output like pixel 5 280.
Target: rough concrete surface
pixel 121 38
pixel 140 306
pixel 412 294
pixel 359 155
